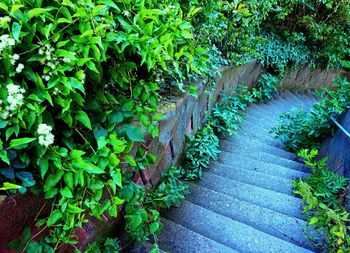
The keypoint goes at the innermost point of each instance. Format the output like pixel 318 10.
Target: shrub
pixel 321 25
pixel 324 208
pixel 142 208
pixel 301 130
pixel 281 56
pixel 267 86
pixel 201 148
pixel 80 82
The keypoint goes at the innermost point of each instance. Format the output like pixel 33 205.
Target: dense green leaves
pixel 299 130
pixel 324 208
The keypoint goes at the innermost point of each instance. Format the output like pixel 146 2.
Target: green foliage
pixel 80 82
pixel 201 148
pixel 226 115
pixel 142 208
pixel 298 129
pixel 107 246
pixel 225 118
pixel 282 56
pixel 321 25
pixel 267 86
pixel 323 193
pixel 170 192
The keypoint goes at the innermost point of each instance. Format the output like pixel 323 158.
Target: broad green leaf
pixel 16 29
pixel 117 177
pixel 130 160
pixel 44 166
pixel 76 153
pixel 134 133
pixel 74 209
pixel 113 160
pixel 9 186
pixel 90 168
pixel 113 211
pixel 66 192
pixel 19 143
pixel 313 220
pixel 4 157
pixel 54 217
pixel 83 118
pixel 35 12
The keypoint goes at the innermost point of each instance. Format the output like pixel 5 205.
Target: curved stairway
pixel 244 202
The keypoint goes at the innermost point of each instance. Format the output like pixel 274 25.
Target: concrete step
pixel 260 166
pixel 248 144
pixel 228 232
pixel 256 154
pixel 282 226
pixel 272 200
pixel 249 136
pixel 252 177
pixel 289 95
pixel 178 239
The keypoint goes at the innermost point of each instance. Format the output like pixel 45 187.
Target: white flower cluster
pixel 50 60
pixel 6 41
pixel 14 58
pixel 46 138
pixel 14 99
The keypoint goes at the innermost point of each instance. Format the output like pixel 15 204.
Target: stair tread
pixel 178 239
pixel 228 232
pixel 263 146
pixel 260 166
pixel 273 200
pixel 279 225
pixel 252 177
pixel 256 154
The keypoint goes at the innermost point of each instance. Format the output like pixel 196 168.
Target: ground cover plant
pixel 323 194
pixel 301 130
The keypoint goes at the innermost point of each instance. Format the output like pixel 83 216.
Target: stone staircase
pixel 244 202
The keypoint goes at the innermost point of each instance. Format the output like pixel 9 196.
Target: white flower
pixel 41 51
pixel 11 42
pixel 12 88
pixel 6 41
pixel 46 138
pixel 4 114
pixel 44 129
pixel 15 57
pixel 15 96
pixel 19 68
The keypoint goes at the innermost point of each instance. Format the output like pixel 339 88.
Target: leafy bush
pixel 324 208
pixel 298 129
pixel 281 56
pixel 267 86
pixel 142 208
pixel 226 115
pixel 108 246
pixel 323 26
pixel 201 148
pixel 80 82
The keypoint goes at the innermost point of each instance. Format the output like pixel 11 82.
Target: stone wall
pixel 305 78
pixel 184 115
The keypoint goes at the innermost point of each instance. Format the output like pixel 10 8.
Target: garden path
pixel 244 202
